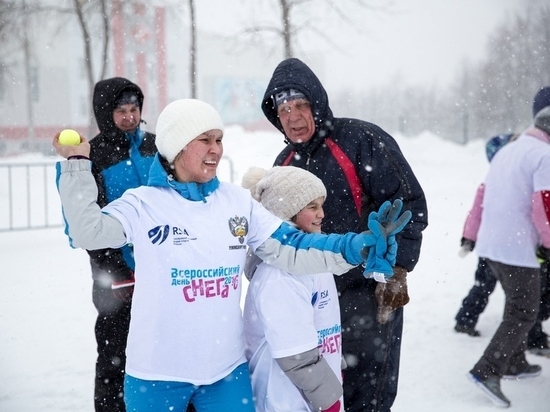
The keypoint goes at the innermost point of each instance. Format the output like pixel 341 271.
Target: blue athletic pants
pixel 230 394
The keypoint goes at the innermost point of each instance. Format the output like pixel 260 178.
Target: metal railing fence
pixel 29 196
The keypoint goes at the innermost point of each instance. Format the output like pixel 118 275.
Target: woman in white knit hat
pixel 292 323
pixel 190 233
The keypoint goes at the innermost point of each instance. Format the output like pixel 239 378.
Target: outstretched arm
pixel 297 252
pixel 85 225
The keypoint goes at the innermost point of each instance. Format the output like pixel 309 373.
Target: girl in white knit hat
pixel 190 234
pixel 292 323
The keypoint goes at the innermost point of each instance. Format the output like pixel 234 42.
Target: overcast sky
pixel 421 40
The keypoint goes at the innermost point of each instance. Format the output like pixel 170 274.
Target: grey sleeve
pixel 86 225
pixel 311 374
pixel 302 261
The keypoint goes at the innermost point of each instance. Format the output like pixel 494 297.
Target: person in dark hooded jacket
pixel 121 156
pixel 361 166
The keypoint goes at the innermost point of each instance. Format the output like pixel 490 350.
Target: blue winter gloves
pixel 391 291
pixel 384 225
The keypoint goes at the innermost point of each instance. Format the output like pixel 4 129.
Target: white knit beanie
pixel 283 190
pixel 181 122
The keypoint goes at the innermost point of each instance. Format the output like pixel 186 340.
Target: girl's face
pixel 198 161
pixel 309 219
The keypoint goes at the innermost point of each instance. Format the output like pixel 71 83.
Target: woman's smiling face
pixel 199 160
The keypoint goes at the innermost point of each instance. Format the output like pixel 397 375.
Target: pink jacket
pixel 473 220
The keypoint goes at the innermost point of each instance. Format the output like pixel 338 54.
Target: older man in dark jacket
pixel 361 166
pixel 121 156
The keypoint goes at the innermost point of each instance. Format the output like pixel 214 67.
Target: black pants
pixel 371 350
pixel 111 332
pixel 478 297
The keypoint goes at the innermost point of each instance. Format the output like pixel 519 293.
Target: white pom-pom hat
pixel 181 122
pixel 283 190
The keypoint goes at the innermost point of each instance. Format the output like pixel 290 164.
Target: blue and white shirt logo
pixel 159 234
pixel 314 297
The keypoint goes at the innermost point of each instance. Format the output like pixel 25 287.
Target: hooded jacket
pixel 360 164
pixel 120 161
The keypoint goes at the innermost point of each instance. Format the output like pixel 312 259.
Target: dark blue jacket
pixel 360 164
pixel 120 161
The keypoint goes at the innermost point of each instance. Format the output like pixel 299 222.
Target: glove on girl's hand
pixel 393 224
pixel 376 264
pixel 392 295
pixel 389 216
pixel 384 225
pixel 391 253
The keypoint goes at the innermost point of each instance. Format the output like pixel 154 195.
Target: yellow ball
pixel 69 137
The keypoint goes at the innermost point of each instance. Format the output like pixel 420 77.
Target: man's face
pixel 127 117
pixel 297 120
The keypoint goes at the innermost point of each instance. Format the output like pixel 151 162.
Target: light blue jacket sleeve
pixel 85 225
pixel 301 253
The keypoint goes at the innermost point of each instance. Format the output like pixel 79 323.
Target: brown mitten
pixel 393 294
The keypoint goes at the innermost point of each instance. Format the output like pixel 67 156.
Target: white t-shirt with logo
pixel 287 315
pixel 186 322
pixel 507 233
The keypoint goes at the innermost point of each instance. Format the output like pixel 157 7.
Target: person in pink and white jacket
pixel 514 228
pixel 477 298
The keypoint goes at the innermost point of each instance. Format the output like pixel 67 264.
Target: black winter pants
pixel 111 332
pixel 371 350
pixel 475 302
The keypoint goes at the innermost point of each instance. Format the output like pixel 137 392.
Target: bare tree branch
pixel 298 16
pixel 106 38
pixel 193 50
pixel 78 8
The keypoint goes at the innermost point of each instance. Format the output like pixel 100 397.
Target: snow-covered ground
pixel 47 347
